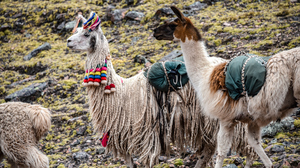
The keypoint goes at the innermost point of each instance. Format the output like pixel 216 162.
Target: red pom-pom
pixel 97 80
pixel 107 87
pixel 112 85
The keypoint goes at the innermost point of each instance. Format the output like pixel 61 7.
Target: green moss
pixel 217 42
pixel 264 42
pixel 178 162
pixel 61 166
pixel 256 163
pixel 281 135
pixel 264 145
pixel 297 123
pixel 75 150
pixel 49 137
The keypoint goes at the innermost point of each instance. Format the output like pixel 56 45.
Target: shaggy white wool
pixel 139 119
pixel 21 127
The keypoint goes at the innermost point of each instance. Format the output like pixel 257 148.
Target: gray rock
pixel 129 2
pixel 61 26
pixel 45 46
pixel 4 27
pixel 80 156
pixel 230 166
pixel 75 142
pixel 274 127
pixel 140 59
pixel 117 15
pixel 277 148
pixel 164 11
pixel 133 15
pixel 70 25
pixel 274 141
pixel 162 158
pixel 171 55
pixel 29 93
pixel 28 35
pixel 196 6
pixel 60 16
pixel 17 15
pixel 20 82
pixel 100 151
pixel 81 130
pixel 238 161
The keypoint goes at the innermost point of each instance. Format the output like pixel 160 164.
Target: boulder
pixel 79 156
pixel 45 46
pixel 274 127
pixel 29 93
pixel 196 6
pixel 133 15
pixel 171 55
pixel 70 25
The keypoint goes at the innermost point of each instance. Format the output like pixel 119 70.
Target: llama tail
pixel 35 158
pixel 40 118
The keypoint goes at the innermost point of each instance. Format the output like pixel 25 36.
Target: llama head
pixel 89 39
pixel 180 29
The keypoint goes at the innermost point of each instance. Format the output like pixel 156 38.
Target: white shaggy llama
pixel 133 116
pixel 21 127
pixel 279 96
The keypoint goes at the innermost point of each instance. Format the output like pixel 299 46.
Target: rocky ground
pixel 37 67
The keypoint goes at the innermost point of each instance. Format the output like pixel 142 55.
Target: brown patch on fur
pixel 217 78
pixel 217 82
pixel 187 29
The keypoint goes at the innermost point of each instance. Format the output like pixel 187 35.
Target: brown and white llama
pixel 136 122
pixel 278 98
pixel 21 127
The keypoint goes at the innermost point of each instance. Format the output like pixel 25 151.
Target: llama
pixel 135 116
pixel 278 97
pixel 21 127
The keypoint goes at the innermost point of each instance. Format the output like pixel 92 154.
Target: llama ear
pixel 82 18
pixel 178 14
pixel 91 14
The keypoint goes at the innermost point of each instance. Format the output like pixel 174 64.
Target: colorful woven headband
pixel 92 22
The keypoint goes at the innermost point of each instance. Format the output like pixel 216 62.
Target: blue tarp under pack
pixel 254 76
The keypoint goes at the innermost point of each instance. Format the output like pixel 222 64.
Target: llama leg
pixel 254 139
pixel 224 142
pixel 249 162
pixel 205 156
pixel 129 161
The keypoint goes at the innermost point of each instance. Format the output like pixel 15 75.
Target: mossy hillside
pixel 262 28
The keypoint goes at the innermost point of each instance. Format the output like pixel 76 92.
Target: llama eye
pixel 86 34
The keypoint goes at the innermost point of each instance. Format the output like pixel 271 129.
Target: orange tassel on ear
pixel 74 29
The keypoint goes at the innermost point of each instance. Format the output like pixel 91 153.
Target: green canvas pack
pixel 176 71
pixel 255 74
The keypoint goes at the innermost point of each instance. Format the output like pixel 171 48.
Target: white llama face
pixel 83 40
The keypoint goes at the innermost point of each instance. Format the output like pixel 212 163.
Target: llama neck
pixel 196 59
